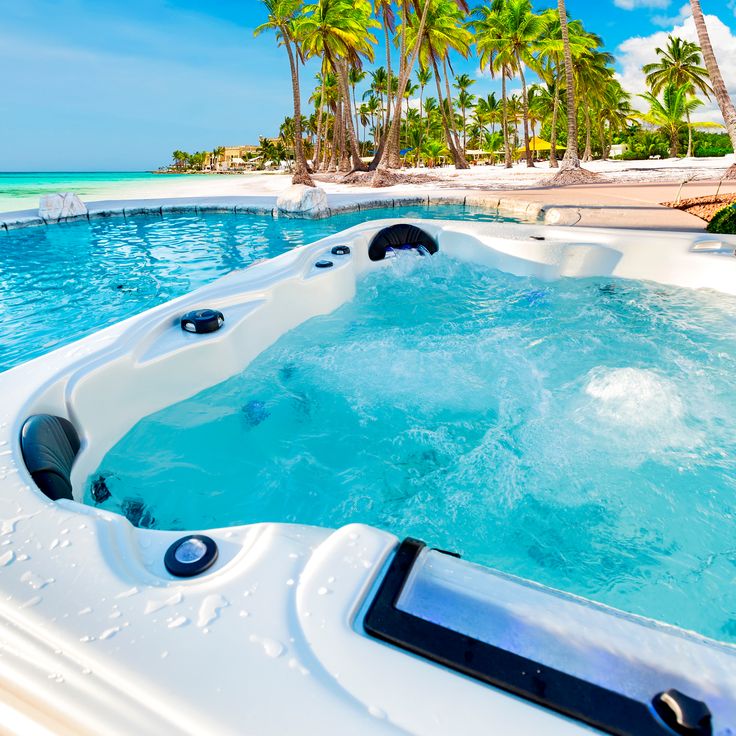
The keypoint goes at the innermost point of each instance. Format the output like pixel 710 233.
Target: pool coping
pixel 527 210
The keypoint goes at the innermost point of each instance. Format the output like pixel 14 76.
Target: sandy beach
pixel 495 178
pixel 628 193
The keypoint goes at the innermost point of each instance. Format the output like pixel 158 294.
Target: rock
pixel 300 200
pixel 61 206
pixel 561 215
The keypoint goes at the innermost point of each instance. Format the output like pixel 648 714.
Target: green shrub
pixel 724 222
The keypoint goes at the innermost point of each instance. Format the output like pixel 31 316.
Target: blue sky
pixel 103 85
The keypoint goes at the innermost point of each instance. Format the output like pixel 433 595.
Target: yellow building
pixel 234 158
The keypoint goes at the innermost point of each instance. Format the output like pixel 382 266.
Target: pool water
pixel 581 433
pixel 65 281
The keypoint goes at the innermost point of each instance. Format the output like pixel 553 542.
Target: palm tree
pixel 522 30
pixel 719 88
pixel 668 114
pixel 552 64
pixel 465 99
pixel 339 30
pixel 382 164
pixel 678 64
pixel 217 153
pixel 497 55
pixel 180 158
pixel 592 72
pixel 424 77
pixel 571 159
pixel 444 31
pixel 355 77
pixel 282 16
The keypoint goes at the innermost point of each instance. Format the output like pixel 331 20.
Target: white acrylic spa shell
pixel 96 637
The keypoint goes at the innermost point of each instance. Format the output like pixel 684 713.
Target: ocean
pixel 22 190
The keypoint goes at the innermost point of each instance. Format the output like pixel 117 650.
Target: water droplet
pixel 377 712
pixel 178 621
pixel 172 600
pixel 7 558
pixel 128 593
pixel 210 609
pixel 272 647
pixel 35 581
pixel 290 581
pixel 32 602
pixel 109 633
pixel 323 591
pixel 83 611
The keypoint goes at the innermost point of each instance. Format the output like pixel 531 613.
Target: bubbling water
pixel 581 433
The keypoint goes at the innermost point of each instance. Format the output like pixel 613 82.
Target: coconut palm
pixel 613 113
pixel 725 103
pixel 571 159
pixel 678 64
pixel 282 16
pixel 355 77
pixel 593 71
pixel 382 165
pixel 217 153
pixel 465 99
pixel 497 55
pixel 552 63
pixel 340 32
pixel 522 30
pixel 668 114
pixel 444 31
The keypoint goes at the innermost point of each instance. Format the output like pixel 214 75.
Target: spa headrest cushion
pixel 49 445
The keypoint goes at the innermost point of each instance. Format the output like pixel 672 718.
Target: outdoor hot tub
pixel 417 477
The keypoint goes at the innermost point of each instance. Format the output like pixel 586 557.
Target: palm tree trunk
pixel 318 144
pixel 388 73
pixel 443 114
pixel 525 113
pixel 689 136
pixel 404 78
pixel 301 172
pixel 571 159
pixel 505 122
pixel 451 109
pixel 394 144
pixel 711 64
pixel 553 128
pixel 355 118
pixel 332 166
pixel 345 140
pixel 341 67
pixel 588 153
pixel 421 130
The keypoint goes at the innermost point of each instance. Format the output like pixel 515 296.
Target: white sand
pixel 477 177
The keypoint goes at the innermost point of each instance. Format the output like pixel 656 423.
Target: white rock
pixel 300 200
pixel 59 206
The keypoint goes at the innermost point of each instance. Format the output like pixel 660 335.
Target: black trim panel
pixel 584 701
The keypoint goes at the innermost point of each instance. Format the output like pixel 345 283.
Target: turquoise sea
pixel 22 190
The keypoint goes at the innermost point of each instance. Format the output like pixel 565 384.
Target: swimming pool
pixel 65 281
pixel 579 432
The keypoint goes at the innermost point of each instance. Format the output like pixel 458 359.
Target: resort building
pixel 234 158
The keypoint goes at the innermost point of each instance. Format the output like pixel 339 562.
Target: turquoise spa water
pixel 62 282
pixel 581 433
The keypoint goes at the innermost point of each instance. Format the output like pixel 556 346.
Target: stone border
pixel 529 211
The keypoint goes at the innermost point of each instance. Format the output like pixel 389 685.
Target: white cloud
pixel 636 4
pixel 633 53
pixel 667 21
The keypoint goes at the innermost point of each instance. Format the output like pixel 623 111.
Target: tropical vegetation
pixel 558 90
